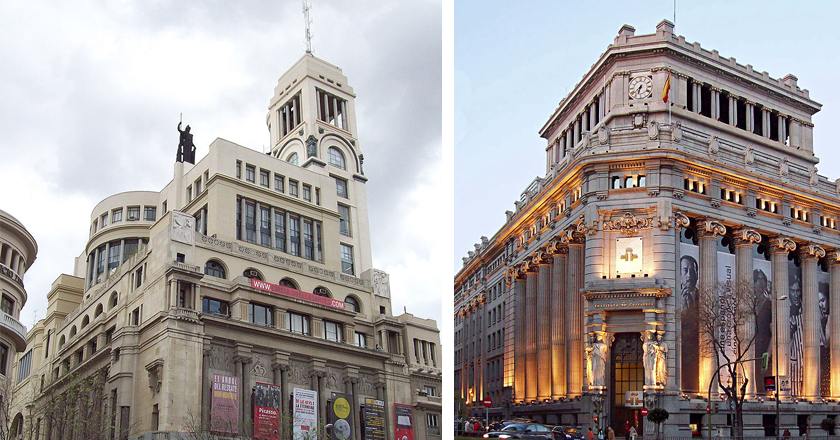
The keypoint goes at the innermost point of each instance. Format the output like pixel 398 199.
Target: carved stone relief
pixel 221 358
pixel 299 373
pixel 334 380
pixel 366 385
pixel 261 366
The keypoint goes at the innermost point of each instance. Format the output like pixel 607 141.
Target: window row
pixel 110 256
pixel 289 115
pixel 332 110
pixel 634 181
pixel 199 186
pixel 281 184
pixel 116 216
pixel 278 229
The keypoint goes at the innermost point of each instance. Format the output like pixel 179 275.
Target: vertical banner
pixel 726 280
pixel 763 284
pixel 224 404
pixel 374 419
pixel 339 416
pixel 305 413
pixel 795 353
pixel 825 336
pixel 266 411
pixel 404 421
pixel 688 277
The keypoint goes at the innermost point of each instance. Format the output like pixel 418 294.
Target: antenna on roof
pixel 306 8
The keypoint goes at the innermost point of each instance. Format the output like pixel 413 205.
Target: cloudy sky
pixel 91 92
pixel 514 63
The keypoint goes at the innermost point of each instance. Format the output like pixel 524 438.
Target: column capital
pixel 747 236
pixel 781 244
pixel 733 97
pixel 681 220
pixel 811 251
pixel 833 258
pixel 750 103
pixel 715 89
pixel 281 367
pixel 710 227
pixel 572 237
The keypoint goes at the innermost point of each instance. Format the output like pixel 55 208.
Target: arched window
pixel 352 304
pixel 293 159
pixel 61 341
pixel 73 331
pixel 336 158
pixel 214 269
pixel 252 274
pixel 322 291
pixel 85 321
pixel 288 282
pixel 98 310
pixel 112 302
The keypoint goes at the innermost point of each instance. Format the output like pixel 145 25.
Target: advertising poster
pixel 763 284
pixel 688 279
pixel 404 421
pixel 374 419
pixel 339 416
pixel 266 411
pixel 224 404
pixel 825 336
pixel 795 301
pixel 305 413
pixel 726 280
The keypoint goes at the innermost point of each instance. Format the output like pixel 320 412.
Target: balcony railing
pixel 16 327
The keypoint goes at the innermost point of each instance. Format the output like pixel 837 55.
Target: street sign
pixel 784 383
pixel 487 402
pixel 644 412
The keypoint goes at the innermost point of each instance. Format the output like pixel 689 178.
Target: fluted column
pixel 558 323
pixel 695 97
pixel 779 248
pixel 733 110
pixel 531 278
pixel 519 336
pixel 809 255
pixel 745 239
pixel 574 302
pixel 577 133
pixel 749 114
pixel 765 122
pixel 715 103
pixel 834 329
pixel 782 128
pixel 708 231
pixel 584 121
pixel 543 319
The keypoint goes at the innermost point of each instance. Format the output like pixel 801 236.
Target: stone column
pixel 245 389
pixel 519 336
pixel 782 128
pixel 779 248
pixel 765 122
pixel 708 231
pixel 809 255
pixel 543 318
pixel 745 239
pixel 715 103
pixel 350 385
pixel 558 323
pixel 834 330
pixel 206 383
pixel 749 114
pixel 733 110
pixel 695 97
pixel 531 334
pixel 280 371
pixel 577 133
pixel 593 117
pixel 574 310
pixel 242 218
pixel 584 121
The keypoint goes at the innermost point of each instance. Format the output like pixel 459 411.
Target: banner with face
pixel 688 278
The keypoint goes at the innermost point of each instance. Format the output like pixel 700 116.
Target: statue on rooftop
pixel 186 147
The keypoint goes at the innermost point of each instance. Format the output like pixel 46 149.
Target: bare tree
pixel 74 407
pixel 725 317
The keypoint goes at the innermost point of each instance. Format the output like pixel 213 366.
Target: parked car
pixel 568 433
pixel 525 431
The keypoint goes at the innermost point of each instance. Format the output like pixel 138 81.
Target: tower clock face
pixel 641 87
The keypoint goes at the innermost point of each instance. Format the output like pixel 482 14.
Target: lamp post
pixel 776 360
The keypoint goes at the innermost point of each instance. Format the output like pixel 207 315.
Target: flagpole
pixel 669 97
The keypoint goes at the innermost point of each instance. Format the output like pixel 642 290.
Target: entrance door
pixel 627 373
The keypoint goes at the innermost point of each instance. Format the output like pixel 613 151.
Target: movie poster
pixel 266 411
pixel 305 413
pixel 404 421
pixel 825 336
pixel 224 404
pixel 795 341
pixel 763 283
pixel 688 279
pixel 374 419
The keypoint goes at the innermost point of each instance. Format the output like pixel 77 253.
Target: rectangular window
pixel 294 236
pixel 432 422
pixel 289 115
pixel 133 213
pixel 344 220
pixel 307 193
pixel 293 188
pixel 280 230
pixel 318 254
pixel 116 215
pixel 198 187
pixel 7 304
pixel 264 178
pixel 198 220
pixel 189 194
pixel 135 317
pixel 238 169
pixel 278 183
pixel 430 391
pixel 332 331
pixel 113 256
pixel 361 340
pixel 24 366
pixel 346 259
pixel 308 242
pixel 332 109
pixel 296 323
pixel 250 223
pixel 341 187
pixel 250 173
pixel 238 218
pixel 163 207
pixel 130 249
pixel 216 307
pixel 265 227
pixel 150 213
pixel 101 261
pixel 103 220
pixel 259 314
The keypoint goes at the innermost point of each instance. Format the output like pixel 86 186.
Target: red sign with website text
pixel 306 296
pixel 404 421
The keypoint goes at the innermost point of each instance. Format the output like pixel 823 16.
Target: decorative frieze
pixel 628 224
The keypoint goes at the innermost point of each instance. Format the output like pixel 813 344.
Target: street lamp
pixel 776 361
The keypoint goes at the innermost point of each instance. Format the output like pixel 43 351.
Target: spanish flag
pixel 667 88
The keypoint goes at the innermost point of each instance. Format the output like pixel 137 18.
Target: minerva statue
pixel 596 361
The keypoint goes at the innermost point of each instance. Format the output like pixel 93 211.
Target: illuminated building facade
pixel 250 274
pixel 574 308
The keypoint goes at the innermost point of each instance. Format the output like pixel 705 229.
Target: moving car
pixel 525 431
pixel 567 433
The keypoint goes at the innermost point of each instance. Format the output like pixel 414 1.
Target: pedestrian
pixel 477 427
pixel 591 434
pixel 468 426
pixel 786 434
pixel 627 427
pixel 610 434
pixel 632 432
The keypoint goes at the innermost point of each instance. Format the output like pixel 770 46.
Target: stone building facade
pixel 250 272
pixel 577 307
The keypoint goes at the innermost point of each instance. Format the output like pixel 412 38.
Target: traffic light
pixel 595 419
pixel 765 360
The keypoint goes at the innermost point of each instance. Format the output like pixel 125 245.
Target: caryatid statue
pixel 596 361
pixel 655 356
